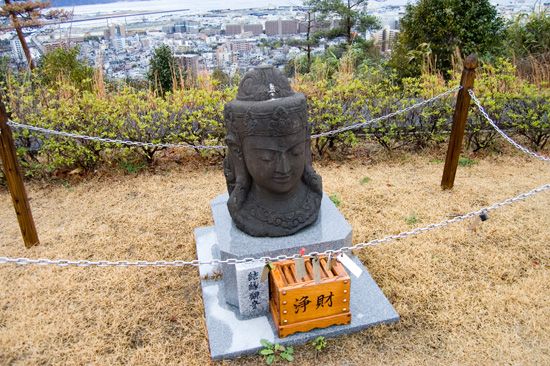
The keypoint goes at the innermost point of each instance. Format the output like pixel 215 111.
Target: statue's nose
pixel 282 164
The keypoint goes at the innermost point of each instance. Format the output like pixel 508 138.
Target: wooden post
pixel 15 181
pixel 459 122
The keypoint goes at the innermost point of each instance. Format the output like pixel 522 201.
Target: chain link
pixel 181 146
pixel 492 123
pixel 196 262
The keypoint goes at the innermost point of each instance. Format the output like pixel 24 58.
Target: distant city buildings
pixel 114 31
pixel 225 39
pixel 385 38
pixel 119 43
pixel 255 29
pixel 281 27
pixel 233 29
pixel 242 45
pixel 52 46
pixel 272 28
pixel 190 63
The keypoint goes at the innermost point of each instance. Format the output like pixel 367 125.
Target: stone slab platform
pixel 231 336
pixel 330 231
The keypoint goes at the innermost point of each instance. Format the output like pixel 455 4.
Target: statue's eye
pixel 297 150
pixel 266 156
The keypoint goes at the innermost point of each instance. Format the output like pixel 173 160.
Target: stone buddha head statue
pixel 273 189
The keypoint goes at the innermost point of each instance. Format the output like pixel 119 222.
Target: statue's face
pixel 275 164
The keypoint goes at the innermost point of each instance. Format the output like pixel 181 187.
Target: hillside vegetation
pixel 338 96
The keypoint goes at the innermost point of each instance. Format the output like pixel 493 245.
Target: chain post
pixel 14 177
pixel 459 122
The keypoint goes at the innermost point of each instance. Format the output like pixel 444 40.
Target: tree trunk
pixel 307 40
pixel 21 37
pixel 348 24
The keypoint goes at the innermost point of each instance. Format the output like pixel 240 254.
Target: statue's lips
pixel 282 178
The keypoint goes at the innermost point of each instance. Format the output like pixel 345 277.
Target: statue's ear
pixel 235 154
pixel 234 148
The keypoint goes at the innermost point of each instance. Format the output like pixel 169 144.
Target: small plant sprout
pixel 365 180
pixel 335 199
pixel 319 343
pixel 413 218
pixel 271 351
pixel 466 162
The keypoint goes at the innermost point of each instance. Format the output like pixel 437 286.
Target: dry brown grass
pixel 464 298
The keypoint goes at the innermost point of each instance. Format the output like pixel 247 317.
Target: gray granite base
pixel 330 231
pixel 231 335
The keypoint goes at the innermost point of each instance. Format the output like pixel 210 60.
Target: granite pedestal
pixel 231 330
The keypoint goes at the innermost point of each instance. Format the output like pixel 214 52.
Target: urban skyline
pixel 230 40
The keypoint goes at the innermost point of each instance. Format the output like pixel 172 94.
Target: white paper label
pixel 265 273
pixel 350 265
pixel 330 263
pixel 475 223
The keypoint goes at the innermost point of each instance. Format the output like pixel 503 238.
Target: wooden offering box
pixel 298 305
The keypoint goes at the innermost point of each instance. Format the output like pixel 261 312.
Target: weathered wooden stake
pixel 15 181
pixel 459 122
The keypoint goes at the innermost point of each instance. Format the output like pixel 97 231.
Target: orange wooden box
pixel 298 305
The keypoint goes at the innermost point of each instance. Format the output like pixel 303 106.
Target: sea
pixel 193 5
pixel 188 7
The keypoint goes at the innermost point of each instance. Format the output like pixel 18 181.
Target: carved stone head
pixel 273 189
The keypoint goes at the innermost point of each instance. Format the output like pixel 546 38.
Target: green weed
pixel 466 162
pixel 335 199
pixel 413 218
pixel 319 343
pixel 131 167
pixel 272 351
pixel 364 180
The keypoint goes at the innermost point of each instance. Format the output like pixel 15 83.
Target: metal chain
pixel 196 262
pixel 114 141
pixel 492 123
pixel 181 146
pixel 393 114
pixel 402 235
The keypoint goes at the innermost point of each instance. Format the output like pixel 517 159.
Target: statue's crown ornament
pixel 266 105
pixel 264 83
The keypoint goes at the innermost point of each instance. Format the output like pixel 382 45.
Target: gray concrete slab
pixel 207 249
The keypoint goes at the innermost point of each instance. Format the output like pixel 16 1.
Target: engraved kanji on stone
pixel 253 276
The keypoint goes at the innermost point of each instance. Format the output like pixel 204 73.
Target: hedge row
pixel 195 116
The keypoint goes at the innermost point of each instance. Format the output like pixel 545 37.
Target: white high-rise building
pixel 385 38
pixel 17 50
pixel 119 43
